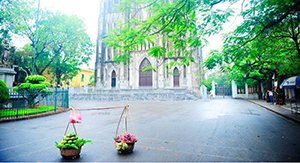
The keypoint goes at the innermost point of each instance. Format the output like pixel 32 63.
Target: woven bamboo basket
pixel 130 148
pixel 70 153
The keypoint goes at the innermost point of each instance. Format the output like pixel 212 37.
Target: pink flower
pixel 126 137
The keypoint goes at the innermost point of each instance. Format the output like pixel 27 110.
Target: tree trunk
pixel 295 39
pixel 58 74
pixel 259 91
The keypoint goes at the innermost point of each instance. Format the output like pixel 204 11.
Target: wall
pixel 76 81
pixel 243 96
pixel 8 76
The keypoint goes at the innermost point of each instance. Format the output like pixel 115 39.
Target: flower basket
pixel 124 142
pixel 70 145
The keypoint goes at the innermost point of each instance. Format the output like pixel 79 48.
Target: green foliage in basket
pixel 121 146
pixel 71 141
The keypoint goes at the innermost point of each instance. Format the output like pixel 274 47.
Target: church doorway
pixel 113 79
pixel 145 78
pixel 176 77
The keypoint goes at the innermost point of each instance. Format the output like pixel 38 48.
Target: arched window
pixel 145 78
pixel 176 77
pixel 184 71
pixel 113 79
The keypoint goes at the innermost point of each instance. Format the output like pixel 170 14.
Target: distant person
pixel 267 96
pixel 210 94
pixel 270 96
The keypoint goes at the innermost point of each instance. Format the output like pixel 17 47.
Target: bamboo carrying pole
pixel 124 113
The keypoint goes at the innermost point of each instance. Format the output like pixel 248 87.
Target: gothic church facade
pixel 110 75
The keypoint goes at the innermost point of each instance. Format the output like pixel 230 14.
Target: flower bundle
pixel 125 142
pixel 126 138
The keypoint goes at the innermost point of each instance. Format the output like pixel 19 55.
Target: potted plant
pixel 70 146
pixel 125 142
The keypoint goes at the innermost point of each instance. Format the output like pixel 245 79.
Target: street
pixel 213 130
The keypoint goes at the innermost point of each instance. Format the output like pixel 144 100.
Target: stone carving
pixel 5 54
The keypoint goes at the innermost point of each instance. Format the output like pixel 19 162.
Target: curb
pixel 36 115
pixel 285 116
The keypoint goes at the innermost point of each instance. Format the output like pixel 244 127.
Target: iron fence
pixel 22 104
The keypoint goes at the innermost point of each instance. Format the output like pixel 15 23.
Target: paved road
pixel 215 130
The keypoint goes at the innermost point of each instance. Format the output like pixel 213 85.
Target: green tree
pixel 4 93
pixel 59 43
pixel 24 18
pixel 70 44
pixel 34 87
pixel 264 45
pixel 22 58
pixel 220 78
pixel 175 22
pixel 4 32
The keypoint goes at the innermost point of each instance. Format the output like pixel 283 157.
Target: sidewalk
pixel 283 110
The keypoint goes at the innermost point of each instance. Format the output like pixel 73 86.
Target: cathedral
pixel 110 75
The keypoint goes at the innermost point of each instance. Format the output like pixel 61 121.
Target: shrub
pixel 37 86
pixel 4 93
pixel 34 86
pixel 35 79
pixel 24 86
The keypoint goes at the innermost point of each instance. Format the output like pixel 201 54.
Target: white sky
pixel 88 10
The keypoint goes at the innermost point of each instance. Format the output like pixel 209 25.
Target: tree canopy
pixel 70 46
pixel 266 44
pixel 175 23
pixel 58 42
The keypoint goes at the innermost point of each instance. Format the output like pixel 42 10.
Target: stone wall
pixel 8 76
pixel 134 95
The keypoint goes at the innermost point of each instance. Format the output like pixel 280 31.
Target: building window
pixel 113 79
pixel 145 78
pixel 184 71
pixel 167 71
pixel 176 77
pixel 108 54
pixel 82 77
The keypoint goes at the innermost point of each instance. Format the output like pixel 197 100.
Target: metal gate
pixel 223 90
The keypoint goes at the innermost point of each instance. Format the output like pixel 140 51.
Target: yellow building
pixel 82 79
